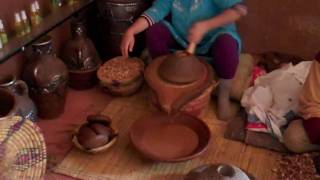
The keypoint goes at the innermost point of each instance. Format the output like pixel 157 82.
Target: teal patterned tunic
pixel 184 13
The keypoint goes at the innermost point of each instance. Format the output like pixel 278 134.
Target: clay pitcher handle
pixel 21 85
pixel 191 48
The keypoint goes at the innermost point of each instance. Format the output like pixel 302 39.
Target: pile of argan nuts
pixel 297 167
pixel 121 69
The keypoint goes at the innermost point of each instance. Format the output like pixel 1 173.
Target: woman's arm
pixel 230 15
pixel 156 13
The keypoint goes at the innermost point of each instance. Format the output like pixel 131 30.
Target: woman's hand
pixel 127 43
pixel 197 32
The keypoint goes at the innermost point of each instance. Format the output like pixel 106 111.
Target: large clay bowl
pixel 164 138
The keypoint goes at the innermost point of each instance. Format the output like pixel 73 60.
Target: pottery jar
pixel 81 58
pixel 23 105
pixel 47 77
pixel 115 17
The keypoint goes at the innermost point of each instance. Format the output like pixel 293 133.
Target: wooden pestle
pixel 191 48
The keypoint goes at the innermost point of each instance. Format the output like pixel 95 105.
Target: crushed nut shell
pixel 297 167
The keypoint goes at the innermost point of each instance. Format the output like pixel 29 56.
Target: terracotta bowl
pixel 176 138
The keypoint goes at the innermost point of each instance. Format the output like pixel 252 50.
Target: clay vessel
pixel 115 17
pixel 81 58
pixel 8 105
pixel 175 94
pixel 24 106
pixel 47 77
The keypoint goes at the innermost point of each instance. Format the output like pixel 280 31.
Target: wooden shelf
pixel 49 22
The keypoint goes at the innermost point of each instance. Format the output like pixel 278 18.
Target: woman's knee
pixel 159 40
pixel 158 33
pixel 296 139
pixel 225 54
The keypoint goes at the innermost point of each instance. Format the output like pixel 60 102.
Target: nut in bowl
pixel 96 135
pixel 121 76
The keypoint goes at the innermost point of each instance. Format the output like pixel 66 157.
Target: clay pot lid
pixel 170 138
pixel 181 68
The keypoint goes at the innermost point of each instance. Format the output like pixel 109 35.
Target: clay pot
pixel 173 93
pixel 23 105
pixel 116 16
pixel 164 138
pixel 8 105
pixel 81 58
pixel 47 77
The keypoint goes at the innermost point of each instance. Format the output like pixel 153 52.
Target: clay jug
pixel 81 58
pixel 24 106
pixel 47 77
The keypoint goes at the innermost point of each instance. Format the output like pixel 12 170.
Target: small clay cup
pixel 102 120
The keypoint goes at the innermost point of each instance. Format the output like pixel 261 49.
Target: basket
pixel 22 150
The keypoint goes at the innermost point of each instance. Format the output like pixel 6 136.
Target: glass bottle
pixel 3 34
pixel 18 25
pixel 35 14
pixel 47 77
pixel 72 2
pixel 25 22
pixel 56 3
pixel 1 45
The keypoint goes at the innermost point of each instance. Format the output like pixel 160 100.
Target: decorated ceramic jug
pixel 47 77
pixel 16 98
pixel 81 58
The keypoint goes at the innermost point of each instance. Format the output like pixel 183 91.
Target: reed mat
pixel 123 162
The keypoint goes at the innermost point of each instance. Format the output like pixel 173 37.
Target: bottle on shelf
pixel 1 45
pixel 25 22
pixel 35 14
pixel 3 34
pixel 56 3
pixel 72 2
pixel 18 25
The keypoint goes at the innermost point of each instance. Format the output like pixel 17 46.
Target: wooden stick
pixel 191 48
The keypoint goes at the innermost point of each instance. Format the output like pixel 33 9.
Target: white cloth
pixel 276 94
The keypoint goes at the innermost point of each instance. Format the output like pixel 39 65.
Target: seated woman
pixel 208 23
pixel 304 135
